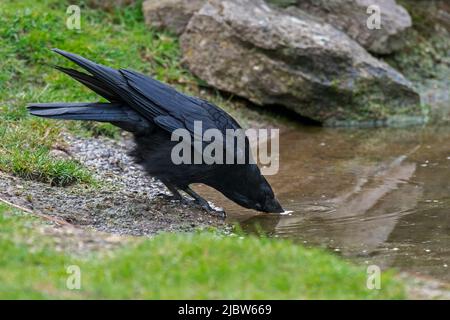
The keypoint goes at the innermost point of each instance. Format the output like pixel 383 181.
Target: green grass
pixel 38 165
pixel 182 266
pixel 28 29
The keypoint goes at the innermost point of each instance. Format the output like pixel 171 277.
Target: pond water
pixel 376 196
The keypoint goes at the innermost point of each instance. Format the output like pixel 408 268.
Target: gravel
pixel 127 202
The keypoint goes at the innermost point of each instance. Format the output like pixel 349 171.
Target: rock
pixel 351 17
pixel 172 15
pixel 274 58
pixel 59 154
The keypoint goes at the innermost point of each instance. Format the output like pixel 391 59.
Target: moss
pixel 283 3
pixel 427 48
pixel 368 106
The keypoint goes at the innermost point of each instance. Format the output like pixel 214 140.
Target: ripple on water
pixel 365 194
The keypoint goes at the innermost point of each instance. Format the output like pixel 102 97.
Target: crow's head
pixel 251 190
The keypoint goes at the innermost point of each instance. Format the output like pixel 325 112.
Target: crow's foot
pixel 203 204
pixel 177 197
pixel 175 194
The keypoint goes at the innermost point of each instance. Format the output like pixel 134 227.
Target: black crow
pixel 152 110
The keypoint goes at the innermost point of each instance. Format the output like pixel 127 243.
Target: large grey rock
pixel 351 17
pixel 172 15
pixel 274 58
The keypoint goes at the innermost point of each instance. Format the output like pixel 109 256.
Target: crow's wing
pixel 149 97
pixel 180 110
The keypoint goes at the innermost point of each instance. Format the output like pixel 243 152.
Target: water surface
pixel 377 196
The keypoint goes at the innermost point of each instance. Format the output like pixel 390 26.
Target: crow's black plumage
pixel 152 110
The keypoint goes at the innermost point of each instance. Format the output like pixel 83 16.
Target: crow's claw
pixel 168 197
pixel 206 207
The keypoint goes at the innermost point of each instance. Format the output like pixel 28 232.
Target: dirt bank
pixel 126 201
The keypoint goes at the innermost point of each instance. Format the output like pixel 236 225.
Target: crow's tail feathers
pixel 104 112
pixel 91 82
pixel 104 80
pixel 114 85
pixel 115 113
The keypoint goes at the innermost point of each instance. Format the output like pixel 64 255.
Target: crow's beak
pixel 273 206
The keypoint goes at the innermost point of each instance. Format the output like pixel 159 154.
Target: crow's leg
pixel 202 202
pixel 175 193
pixel 198 199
